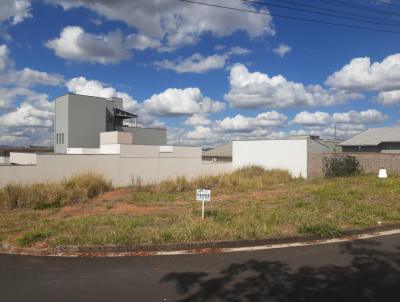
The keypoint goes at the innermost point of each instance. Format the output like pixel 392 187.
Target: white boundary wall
pixel 23 158
pixel 144 163
pixel 289 155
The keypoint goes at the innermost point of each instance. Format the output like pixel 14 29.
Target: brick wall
pixel 370 162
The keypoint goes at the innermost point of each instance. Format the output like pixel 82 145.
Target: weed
pixel 322 230
pixel 30 238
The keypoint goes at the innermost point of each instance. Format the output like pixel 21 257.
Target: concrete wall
pixel 289 155
pixel 86 121
pixel 135 162
pixel 370 162
pixel 4 159
pixel 147 136
pixel 23 158
pixel 115 137
pixel 61 123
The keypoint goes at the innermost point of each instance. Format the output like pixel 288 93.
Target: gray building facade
pixel 79 119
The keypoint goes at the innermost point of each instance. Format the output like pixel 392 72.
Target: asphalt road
pixel 365 270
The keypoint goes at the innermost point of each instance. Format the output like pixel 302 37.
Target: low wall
pixel 135 162
pixel 288 155
pixel 370 162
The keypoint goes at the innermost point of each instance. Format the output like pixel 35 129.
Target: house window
pixel 57 139
pixel 62 138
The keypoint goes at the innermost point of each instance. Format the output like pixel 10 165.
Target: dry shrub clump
pixel 78 188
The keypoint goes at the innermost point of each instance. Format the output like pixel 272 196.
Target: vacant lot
pixel 247 204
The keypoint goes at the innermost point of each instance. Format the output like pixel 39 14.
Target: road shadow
pixel 371 275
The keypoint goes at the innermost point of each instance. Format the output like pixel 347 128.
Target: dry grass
pixel 241 180
pixel 78 188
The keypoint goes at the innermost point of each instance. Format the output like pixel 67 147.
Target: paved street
pixel 365 270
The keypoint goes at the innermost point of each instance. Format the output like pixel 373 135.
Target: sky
pixel 208 74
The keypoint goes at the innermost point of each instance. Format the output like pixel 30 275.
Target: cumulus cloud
pixel 29 77
pixel 141 42
pixel 201 133
pixel 30 122
pixel 4 57
pixel 282 50
pixel 389 97
pixel 81 85
pixel 9 95
pixel 240 123
pixel 77 45
pixel 196 63
pixel 197 120
pixel 26 115
pixel 255 89
pixel 177 24
pixel 370 116
pixel 238 51
pixel 312 119
pixel 181 102
pixel 361 74
pixel 15 10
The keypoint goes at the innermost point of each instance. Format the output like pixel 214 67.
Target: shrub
pixel 78 188
pixel 86 186
pixel 342 166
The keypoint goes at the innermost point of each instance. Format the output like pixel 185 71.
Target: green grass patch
pixel 322 230
pixel 30 238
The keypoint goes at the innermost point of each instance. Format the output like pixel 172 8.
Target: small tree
pixel 341 166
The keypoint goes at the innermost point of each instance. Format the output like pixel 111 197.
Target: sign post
pixel 203 196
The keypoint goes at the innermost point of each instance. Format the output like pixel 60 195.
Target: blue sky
pixel 208 74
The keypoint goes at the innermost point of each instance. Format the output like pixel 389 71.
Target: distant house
pixel 221 153
pixel 378 140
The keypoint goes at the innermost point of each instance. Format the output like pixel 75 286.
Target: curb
pixel 189 248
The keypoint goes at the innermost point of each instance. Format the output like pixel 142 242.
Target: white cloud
pixel 29 77
pixel 77 45
pixel 238 51
pixel 195 63
pixel 177 24
pixel 9 95
pixel 81 85
pixel 201 133
pixel 389 97
pixel 197 120
pixel 15 10
pixel 239 123
pixel 360 74
pixel 198 63
pixel 282 50
pixel 181 102
pixel 26 115
pixel 30 122
pixel 141 42
pixel 309 119
pixel 252 90
pixel 370 116
pixel 4 57
pixel 312 119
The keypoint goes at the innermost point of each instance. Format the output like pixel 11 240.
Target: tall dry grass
pixel 76 189
pixel 244 179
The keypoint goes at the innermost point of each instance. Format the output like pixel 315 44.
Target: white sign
pixel 203 195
